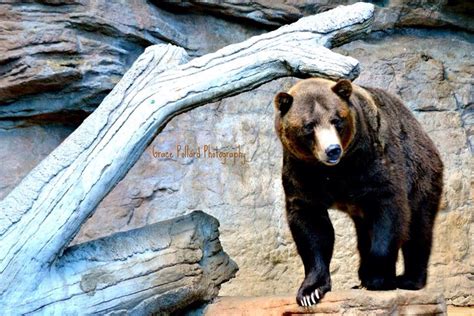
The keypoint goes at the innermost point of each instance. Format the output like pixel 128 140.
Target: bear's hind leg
pixel 387 223
pixel 416 251
pixel 363 245
pixel 313 234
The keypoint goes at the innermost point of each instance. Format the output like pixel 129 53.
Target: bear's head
pixel 315 121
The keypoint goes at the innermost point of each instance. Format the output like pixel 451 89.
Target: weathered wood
pixel 30 215
pixel 161 267
pixel 45 211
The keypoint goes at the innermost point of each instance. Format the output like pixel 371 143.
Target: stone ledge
pixel 460 311
pixel 351 302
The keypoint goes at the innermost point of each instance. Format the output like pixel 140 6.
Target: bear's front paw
pixel 313 289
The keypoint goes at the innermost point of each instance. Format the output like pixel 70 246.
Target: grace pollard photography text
pixel 225 156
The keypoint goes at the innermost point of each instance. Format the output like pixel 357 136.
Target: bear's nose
pixel 333 152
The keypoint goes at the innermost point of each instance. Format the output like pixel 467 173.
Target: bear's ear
pixel 343 88
pixel 283 102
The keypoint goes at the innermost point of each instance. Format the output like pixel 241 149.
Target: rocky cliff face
pixel 60 58
pixel 72 53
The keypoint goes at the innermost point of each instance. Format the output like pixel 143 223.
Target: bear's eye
pixel 308 128
pixel 338 123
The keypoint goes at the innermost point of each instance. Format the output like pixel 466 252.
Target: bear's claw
pixel 311 299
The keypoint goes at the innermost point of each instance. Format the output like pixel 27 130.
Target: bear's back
pixel 409 141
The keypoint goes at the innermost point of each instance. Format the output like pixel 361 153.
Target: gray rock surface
pixel 65 56
pixel 430 69
pixel 391 13
pixel 271 13
pixel 21 149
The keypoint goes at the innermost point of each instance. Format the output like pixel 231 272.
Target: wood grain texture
pixel 161 267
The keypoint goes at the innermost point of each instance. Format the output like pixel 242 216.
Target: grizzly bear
pixel 359 150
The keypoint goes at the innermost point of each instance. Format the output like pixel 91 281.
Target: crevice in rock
pixel 67 118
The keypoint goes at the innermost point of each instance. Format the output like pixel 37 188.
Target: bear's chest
pixel 344 184
pixel 346 188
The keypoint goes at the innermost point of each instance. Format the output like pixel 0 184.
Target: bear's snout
pixel 328 148
pixel 333 152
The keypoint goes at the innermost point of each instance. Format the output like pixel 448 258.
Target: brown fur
pixel 389 180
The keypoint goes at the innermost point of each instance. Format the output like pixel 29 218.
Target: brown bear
pixel 359 150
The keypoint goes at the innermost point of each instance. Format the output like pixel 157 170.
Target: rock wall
pixel 60 58
pixel 73 52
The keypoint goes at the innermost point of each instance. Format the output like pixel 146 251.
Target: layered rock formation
pixel 61 57
pixel 73 52
pixel 391 13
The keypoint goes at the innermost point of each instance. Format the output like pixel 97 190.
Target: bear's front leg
pixel 386 219
pixel 314 237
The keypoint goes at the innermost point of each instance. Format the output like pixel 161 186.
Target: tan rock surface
pixel 248 199
pixel 351 302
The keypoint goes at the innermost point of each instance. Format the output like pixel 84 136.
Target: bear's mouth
pixel 331 162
